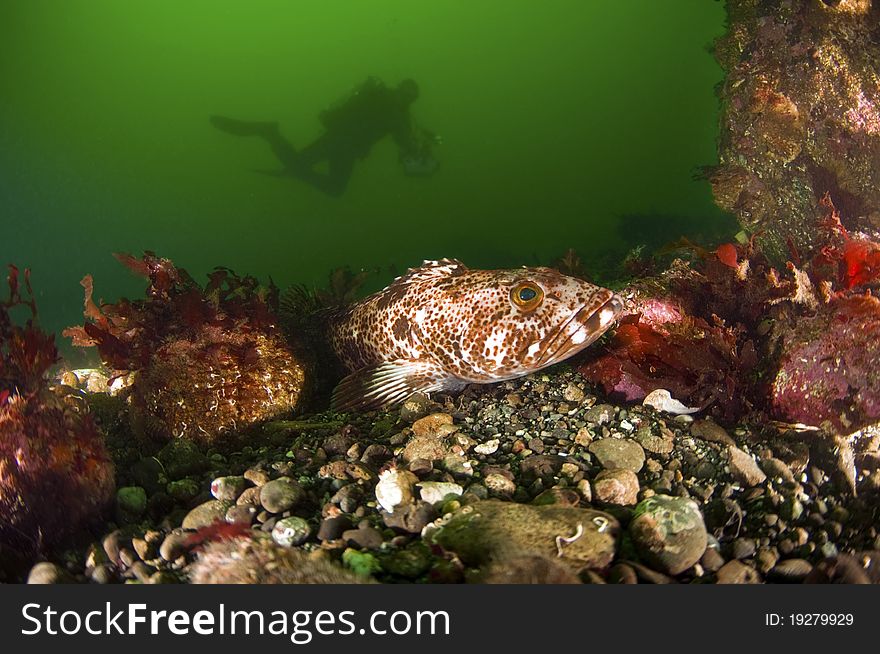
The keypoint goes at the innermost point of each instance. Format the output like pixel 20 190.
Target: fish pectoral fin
pixel 390 383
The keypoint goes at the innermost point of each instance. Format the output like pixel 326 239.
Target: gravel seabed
pixel 536 480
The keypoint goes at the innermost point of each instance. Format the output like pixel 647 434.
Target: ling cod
pixel 442 326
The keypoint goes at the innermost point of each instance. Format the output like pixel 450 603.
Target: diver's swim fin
pixel 244 127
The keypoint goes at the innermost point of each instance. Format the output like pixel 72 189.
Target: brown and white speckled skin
pixel 445 325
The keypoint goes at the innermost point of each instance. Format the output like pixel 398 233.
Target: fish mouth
pixel 580 329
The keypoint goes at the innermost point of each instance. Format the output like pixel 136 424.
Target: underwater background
pixel 569 124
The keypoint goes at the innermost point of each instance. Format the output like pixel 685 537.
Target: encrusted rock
pixel 619 486
pixel 669 532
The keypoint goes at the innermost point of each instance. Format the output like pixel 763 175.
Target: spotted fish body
pixel 442 326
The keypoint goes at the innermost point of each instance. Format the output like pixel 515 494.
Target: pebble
pixel 775 468
pixel 489 447
pixel 573 393
pixel 241 513
pixel 112 543
pixel 395 488
pixel 415 407
pixel 712 559
pixel 228 488
pixel 365 538
pixel 430 426
pixel 250 497
pixel 131 502
pixel 292 531
pixel 411 518
pixel 437 491
pixel 791 570
pixel 743 468
pixel 280 494
pixel 146 551
pixel 734 572
pixel 499 485
pixel 710 431
pixel 103 574
pixel 420 467
pixel 205 514
pixel 743 548
pixel 256 476
pixel 600 414
pixel 618 453
pixel 48 573
pixel 620 487
pixel 669 532
pixel 333 528
pixel 174 546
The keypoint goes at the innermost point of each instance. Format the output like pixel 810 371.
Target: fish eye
pixel 526 295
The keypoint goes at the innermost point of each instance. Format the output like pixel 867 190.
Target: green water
pixel 557 117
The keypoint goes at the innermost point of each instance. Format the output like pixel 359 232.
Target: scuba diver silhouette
pixel 351 128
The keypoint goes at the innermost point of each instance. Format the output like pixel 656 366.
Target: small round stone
pixel 280 494
pixel 174 546
pixel 617 486
pixel 131 502
pixel 292 531
pixel 228 488
pixel 618 454
pixel 48 573
pixel 205 514
pixel 669 532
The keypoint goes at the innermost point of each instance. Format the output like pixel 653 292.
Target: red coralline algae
pixel 205 363
pixel 701 364
pixel 55 473
pixel 735 336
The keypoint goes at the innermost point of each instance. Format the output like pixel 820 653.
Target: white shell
pixel 662 400
pixel 436 491
pixel 489 447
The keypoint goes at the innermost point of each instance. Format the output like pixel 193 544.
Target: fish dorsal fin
pixel 432 270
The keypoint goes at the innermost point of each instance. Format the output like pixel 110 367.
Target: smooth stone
pixel 48 573
pixel 131 502
pixel 744 468
pixel 292 531
pixel 333 528
pixel 365 538
pixel 175 545
pixel 206 514
pixel 228 488
pixel 618 453
pixel 280 494
pixel 669 533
